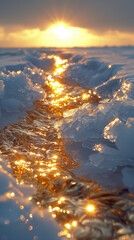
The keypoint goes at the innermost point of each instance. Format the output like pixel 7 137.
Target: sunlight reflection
pixel 122 93
pixel 85 96
pixel 90 208
pixel 74 223
pixel 107 133
pixel 41 157
pixel 68 225
pixel 98 147
pixel 61 65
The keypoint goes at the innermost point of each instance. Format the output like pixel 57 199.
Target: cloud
pixel 79 38
pixel 97 15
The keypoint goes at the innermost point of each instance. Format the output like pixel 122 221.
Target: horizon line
pixel 106 46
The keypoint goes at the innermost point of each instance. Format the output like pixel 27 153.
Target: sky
pixel 66 23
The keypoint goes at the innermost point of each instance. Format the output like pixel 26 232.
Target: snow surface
pixel 15 209
pixel 109 71
pixel 104 131
pixel 99 136
pixel 21 82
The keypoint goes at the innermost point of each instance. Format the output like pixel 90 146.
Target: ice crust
pixel 22 77
pixel 108 131
pixel 104 131
pixel 103 134
pixel 89 73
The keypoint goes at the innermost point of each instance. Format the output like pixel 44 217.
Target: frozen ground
pixel 106 130
pixel 98 136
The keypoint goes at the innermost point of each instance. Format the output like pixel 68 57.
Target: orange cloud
pixel 63 35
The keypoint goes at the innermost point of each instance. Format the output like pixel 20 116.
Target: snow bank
pixel 89 73
pixel 19 219
pixel 10 192
pixel 101 136
pixel 22 77
pixel 107 130
pixel 18 91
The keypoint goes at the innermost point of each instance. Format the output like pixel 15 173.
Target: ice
pixel 11 105
pixel 18 90
pixel 10 192
pixel 128 177
pixel 125 139
pixel 43 63
pixel 89 72
pixel 89 121
pixel 103 133
pixel 15 209
pixel 98 136
pixel 110 141
pixel 77 58
pixel 1 88
pixel 108 88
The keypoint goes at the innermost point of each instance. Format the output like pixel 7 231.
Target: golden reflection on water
pixel 90 208
pixel 37 155
pixel 61 65
pixel 61 95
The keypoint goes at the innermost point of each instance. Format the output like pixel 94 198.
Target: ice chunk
pixel 18 91
pixel 107 158
pixel 112 129
pixel 108 89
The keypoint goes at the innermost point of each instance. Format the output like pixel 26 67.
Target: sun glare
pixel 58 34
pixel 61 34
pixel 62 30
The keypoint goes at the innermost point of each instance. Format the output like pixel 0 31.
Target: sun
pixel 62 34
pixel 62 30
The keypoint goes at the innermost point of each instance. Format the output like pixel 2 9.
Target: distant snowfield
pixel 99 136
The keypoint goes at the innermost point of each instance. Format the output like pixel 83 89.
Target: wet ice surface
pixel 86 104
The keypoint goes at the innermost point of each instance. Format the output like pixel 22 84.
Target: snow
pixel 92 126
pixel 21 83
pixel 104 131
pixel 15 208
pixel 108 131
pixel 89 73
pixel 109 71
pixel 128 177
pixel 98 136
